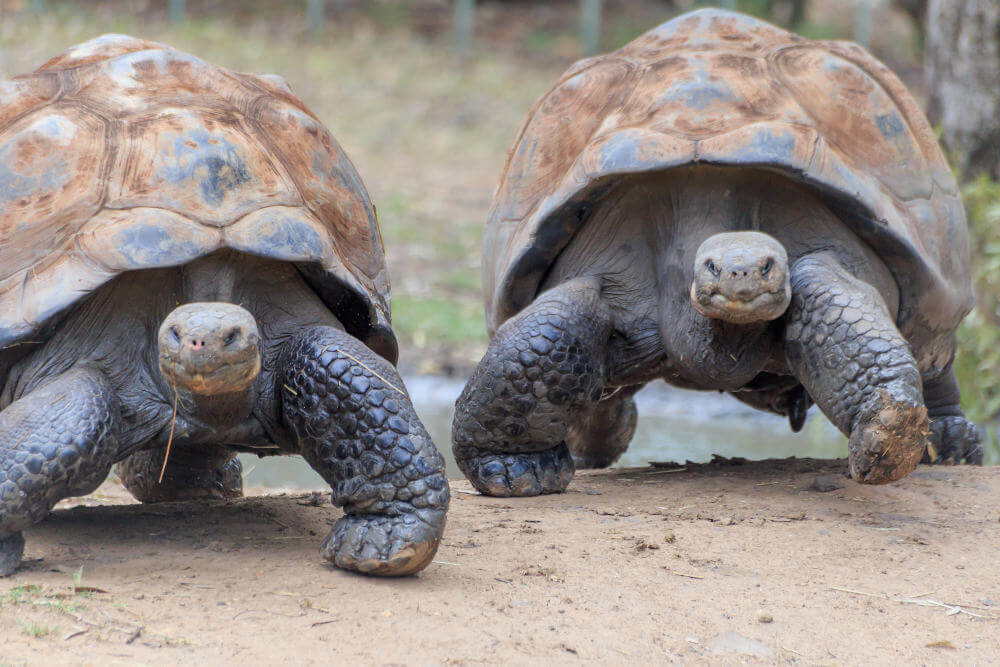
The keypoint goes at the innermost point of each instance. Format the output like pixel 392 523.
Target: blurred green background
pixel 427 114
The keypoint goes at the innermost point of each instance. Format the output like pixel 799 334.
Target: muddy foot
pixel 888 446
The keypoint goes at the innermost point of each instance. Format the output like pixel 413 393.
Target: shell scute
pixel 48 162
pixel 328 182
pixel 702 95
pixel 24 95
pixel 562 124
pixel 100 48
pixel 289 233
pixel 140 81
pixel 143 238
pixel 204 166
pixel 856 114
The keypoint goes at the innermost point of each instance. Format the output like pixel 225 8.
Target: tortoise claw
pixel 388 546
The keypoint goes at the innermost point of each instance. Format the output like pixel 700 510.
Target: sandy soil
pixel 774 561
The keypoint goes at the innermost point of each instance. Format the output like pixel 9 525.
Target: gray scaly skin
pixel 724 279
pixel 253 361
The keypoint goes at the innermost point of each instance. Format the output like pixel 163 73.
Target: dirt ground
pixel 777 561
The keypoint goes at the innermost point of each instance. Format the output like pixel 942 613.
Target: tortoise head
pixel 741 277
pixel 209 348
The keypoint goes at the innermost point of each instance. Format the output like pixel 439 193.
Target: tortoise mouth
pixel 224 378
pixel 762 307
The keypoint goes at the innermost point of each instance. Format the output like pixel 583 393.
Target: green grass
pixel 978 361
pixel 37 630
pixel 441 320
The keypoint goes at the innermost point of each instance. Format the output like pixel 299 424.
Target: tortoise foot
pixel 954 440
pixel 529 474
pixel 11 553
pixel 888 445
pixel 603 437
pixel 191 474
pixel 388 546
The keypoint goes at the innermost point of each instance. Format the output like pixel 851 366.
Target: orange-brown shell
pixel 720 88
pixel 122 154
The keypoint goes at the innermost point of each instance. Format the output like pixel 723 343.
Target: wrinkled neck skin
pixel 710 352
pixel 713 353
pixel 211 279
pixel 212 412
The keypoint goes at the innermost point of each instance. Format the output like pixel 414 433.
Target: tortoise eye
pixel 231 337
pixel 768 265
pixel 710 265
pixel 175 334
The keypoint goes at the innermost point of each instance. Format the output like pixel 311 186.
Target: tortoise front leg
pixel 56 442
pixel 845 349
pixel 542 371
pixel 954 438
pixel 356 427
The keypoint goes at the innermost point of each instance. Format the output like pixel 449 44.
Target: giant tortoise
pixel 726 206
pixel 189 262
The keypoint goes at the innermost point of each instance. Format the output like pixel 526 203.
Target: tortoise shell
pixel 122 154
pixel 720 88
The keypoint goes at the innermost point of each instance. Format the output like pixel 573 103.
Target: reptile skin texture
pixel 843 346
pixel 58 441
pixel 542 369
pixel 356 426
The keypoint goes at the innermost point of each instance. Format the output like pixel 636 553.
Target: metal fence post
pixel 863 23
pixel 315 14
pixel 177 11
pixel 464 22
pixel 590 26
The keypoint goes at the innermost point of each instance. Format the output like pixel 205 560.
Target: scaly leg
pixel 356 427
pixel 56 442
pixel 543 368
pixel 844 347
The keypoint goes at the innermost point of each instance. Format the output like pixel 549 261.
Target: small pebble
pixel 827 483
pixel 764 617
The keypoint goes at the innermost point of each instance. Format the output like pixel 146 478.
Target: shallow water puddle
pixel 674 425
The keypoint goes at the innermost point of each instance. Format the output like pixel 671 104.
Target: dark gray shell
pixel 720 88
